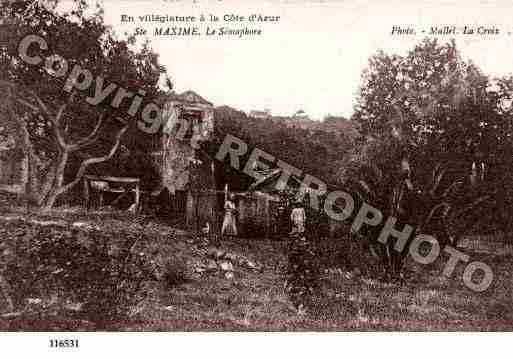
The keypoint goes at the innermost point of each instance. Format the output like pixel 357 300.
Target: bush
pixel 103 274
pixel 302 274
pixel 175 272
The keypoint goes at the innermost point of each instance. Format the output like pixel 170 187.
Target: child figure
pixel 298 218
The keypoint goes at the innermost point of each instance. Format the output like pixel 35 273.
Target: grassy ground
pixel 256 301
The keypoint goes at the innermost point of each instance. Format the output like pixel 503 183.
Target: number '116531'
pixel 63 343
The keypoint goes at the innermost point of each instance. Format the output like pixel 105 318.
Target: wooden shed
pixel 257 215
pixel 264 209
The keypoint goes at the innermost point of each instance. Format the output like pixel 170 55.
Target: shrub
pixel 302 274
pixel 175 272
pixel 101 272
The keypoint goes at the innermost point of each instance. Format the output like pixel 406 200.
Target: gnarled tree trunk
pixel 45 182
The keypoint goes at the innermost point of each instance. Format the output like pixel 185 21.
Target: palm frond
pixel 470 206
pixel 438 175
pixel 452 189
pixel 435 208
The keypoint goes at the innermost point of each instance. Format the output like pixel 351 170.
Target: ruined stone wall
pixel 179 155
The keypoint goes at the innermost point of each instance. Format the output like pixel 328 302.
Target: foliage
pixel 302 281
pixel 175 272
pixel 82 38
pixel 434 129
pixel 436 104
pixel 103 275
pixel 301 148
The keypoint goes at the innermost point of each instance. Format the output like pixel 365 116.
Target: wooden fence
pixel 257 212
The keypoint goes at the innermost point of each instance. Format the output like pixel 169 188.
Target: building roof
pixel 300 114
pixel 188 96
pixel 256 113
pixel 269 176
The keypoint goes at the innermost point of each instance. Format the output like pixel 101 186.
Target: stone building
pixel 185 171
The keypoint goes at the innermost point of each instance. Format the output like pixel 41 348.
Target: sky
pixel 313 58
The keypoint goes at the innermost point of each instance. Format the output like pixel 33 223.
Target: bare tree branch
pixel 55 121
pixel 48 182
pixel 470 206
pixel 92 137
pixel 434 209
pixel 28 104
pixel 42 106
pixel 91 161
pixel 451 187
pixel 65 125
pixel 59 114
pixel 43 141
pixel 437 178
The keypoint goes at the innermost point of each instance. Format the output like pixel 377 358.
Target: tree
pixel 432 127
pixel 46 175
pixel 301 148
pixel 382 176
pixel 61 140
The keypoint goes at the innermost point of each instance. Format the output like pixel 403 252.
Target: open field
pixel 255 300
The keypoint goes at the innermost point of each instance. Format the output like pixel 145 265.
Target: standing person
pixel 229 227
pixel 298 218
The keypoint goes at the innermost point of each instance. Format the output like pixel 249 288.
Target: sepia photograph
pixel 255 166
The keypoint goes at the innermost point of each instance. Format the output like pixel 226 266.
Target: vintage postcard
pixel 255 166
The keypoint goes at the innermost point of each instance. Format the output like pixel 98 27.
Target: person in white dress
pixel 229 227
pixel 298 218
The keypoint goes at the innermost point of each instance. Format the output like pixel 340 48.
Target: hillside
pixel 310 147
pixel 239 285
pixel 340 125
